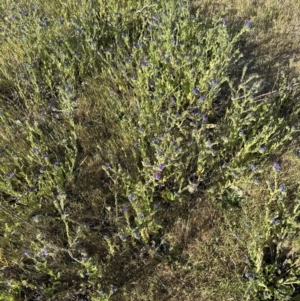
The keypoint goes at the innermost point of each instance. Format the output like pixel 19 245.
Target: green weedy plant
pixel 175 112
pixel 38 145
pixel 173 83
pixel 176 71
pixel 272 243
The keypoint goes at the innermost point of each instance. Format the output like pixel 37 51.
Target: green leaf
pixel 168 195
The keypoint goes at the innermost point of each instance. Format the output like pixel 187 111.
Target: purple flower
pixel 215 81
pixel 253 167
pixel 154 140
pixel 282 188
pixel 10 175
pixel 161 166
pixel 276 221
pixel 195 91
pixel 224 21
pixel 248 23
pixel 35 150
pixel 69 88
pixel 157 175
pixel 27 253
pixel 262 149
pixel 144 64
pixel 108 165
pixel 172 99
pixel 44 253
pixel 202 97
pixel 249 275
pixel 155 20
pixel 196 111
pixel 204 117
pixel 131 197
pixel 247 224
pixel 113 288
pixel 125 208
pixel 276 166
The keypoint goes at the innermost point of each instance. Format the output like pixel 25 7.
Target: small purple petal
pixel 155 20
pixel 282 188
pixel 161 166
pixel 10 175
pixel 35 150
pixel 69 88
pixel 113 288
pixel 249 275
pixel 130 197
pixel 276 166
pixel 151 84
pixel 44 253
pixel 276 220
pixel 195 91
pixel 157 176
pixel 262 149
pixel 248 23
pixel 247 224
pixel 196 111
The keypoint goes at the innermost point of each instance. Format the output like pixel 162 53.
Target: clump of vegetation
pixel 144 155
